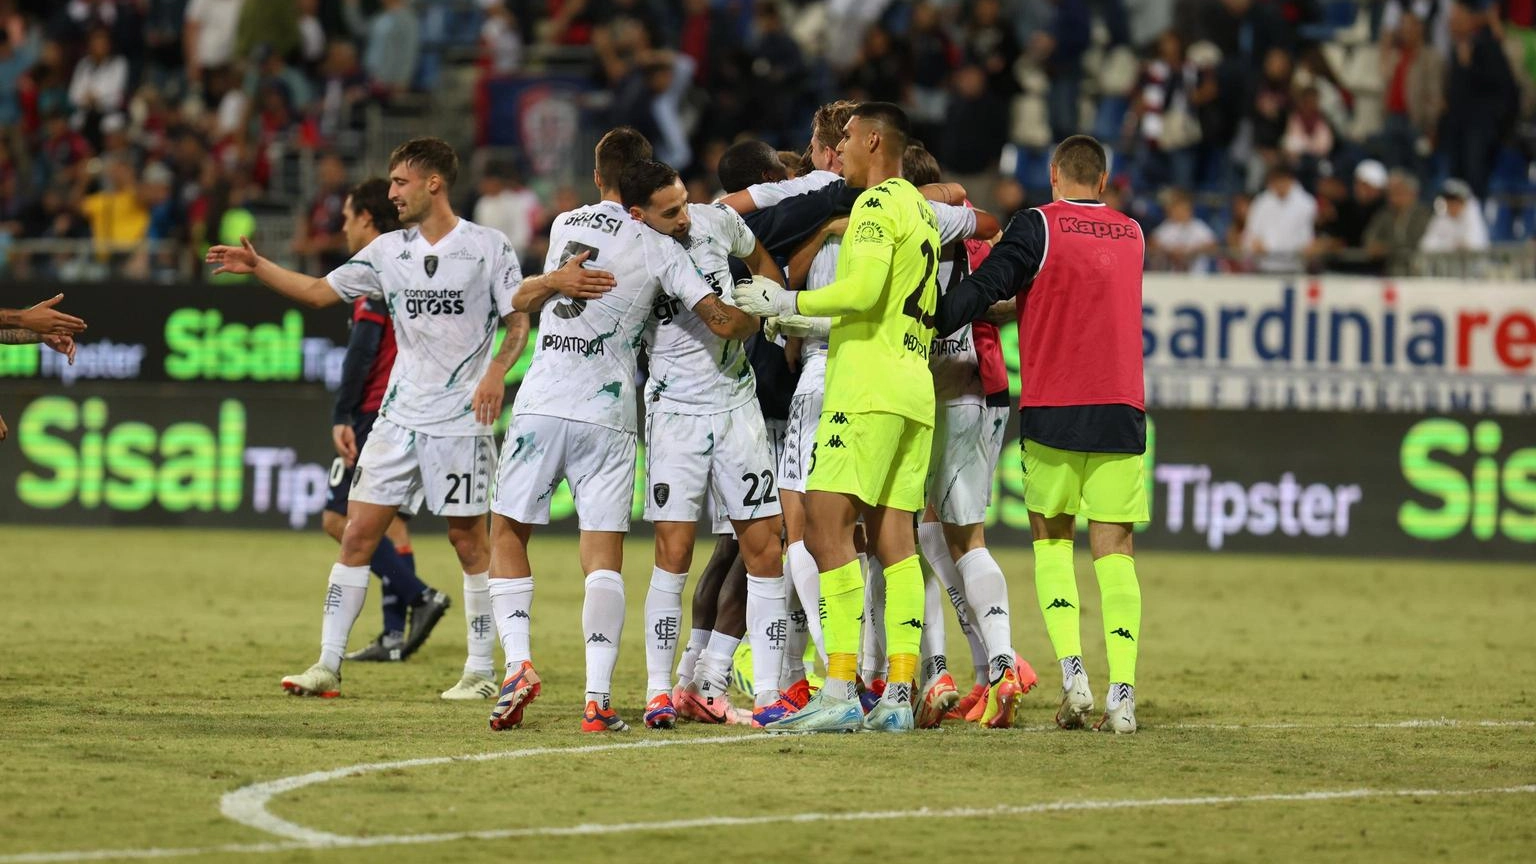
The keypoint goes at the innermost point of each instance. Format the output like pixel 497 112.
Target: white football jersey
pixel 446 301
pixel 766 195
pixel 955 223
pixel 956 370
pixel 584 362
pixel 693 371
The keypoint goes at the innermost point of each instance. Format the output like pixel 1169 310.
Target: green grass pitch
pixel 139 685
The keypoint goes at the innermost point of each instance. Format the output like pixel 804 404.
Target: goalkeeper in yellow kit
pixel 876 425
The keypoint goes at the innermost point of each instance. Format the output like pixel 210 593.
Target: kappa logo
pixel 836 442
pixel 1061 603
pixel 872 204
pixel 429 264
pixel 1121 631
pixel 405 255
pixel 840 418
pixel 521 614
pixel 913 623
pixel 598 637
pixel 661 493
pixel 1095 228
pixel 995 610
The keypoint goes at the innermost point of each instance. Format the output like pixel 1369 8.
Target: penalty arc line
pixel 247 805
pixel 747 821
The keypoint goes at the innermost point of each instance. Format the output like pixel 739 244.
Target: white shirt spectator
pixel 513 212
pixel 1464 232
pixel 1185 238
pixel 1280 228
pixel 217 21
pixel 100 87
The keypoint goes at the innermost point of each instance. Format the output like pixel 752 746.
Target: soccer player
pixel 574 419
pixel 873 438
pixel 449 283
pixel 705 438
pixel 971 383
pixel 1075 265
pixel 366 213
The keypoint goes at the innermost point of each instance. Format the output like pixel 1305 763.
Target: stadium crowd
pixel 1273 135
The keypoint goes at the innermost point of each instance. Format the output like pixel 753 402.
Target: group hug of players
pixel 822 373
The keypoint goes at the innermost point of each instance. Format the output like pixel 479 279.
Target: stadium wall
pixel 1336 416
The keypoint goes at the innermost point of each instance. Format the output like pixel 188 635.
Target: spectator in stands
pixel 774 80
pixel 312 36
pixel 977 124
pixel 508 206
pixel 1183 241
pixel 1414 75
pixel 1270 112
pixel 501 44
pixel 394 46
pixel 319 233
pixel 1165 115
pixel 1342 222
pixel 1279 226
pixel 1308 136
pixel 989 43
pixel 44 90
pixel 1396 230
pixel 269 26
pixel 15 59
pixel 1457 225
pixel 1059 49
pixel 934 56
pixel 99 86
pixel 209 37
pixel 1482 100
pixel 880 73
pixel 63 152
pixel 119 218
pixel 343 90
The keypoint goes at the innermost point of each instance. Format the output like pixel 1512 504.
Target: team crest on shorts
pixel 661 492
pixel 430 263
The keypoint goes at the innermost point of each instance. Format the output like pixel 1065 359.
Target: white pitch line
pixel 248 805
pixel 589 829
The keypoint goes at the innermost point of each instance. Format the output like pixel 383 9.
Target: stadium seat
pixel 1511 173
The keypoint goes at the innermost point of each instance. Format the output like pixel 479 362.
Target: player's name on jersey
pixel 1318 390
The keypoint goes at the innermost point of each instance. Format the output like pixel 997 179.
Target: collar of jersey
pixel 414 233
pixel 1082 202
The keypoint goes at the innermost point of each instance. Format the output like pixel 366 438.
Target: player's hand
pixel 796 326
pixel 488 397
pixel 63 344
pixel 3 430
pixel 45 319
pixel 578 283
pixel 233 259
pixel 346 443
pixel 763 297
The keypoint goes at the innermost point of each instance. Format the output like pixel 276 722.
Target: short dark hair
pixel 641 180
pixel 622 147
pixel 918 166
pixel 898 129
pixel 428 156
pixel 1080 159
pixel 746 162
pixel 372 197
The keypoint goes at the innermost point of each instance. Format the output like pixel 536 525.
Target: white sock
pixel 807 579
pixel 697 639
pixel 768 630
pixel 663 621
pixel 1071 667
pixel 480 629
pixel 799 637
pixel 1118 693
pixel 872 640
pixel 987 592
pixel 930 538
pixel 344 595
pixel 512 606
pixel 602 622
pixel 935 657
pixel 713 674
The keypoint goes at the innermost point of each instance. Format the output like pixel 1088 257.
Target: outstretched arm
pixel 1007 272
pixel 302 289
pixel 42 319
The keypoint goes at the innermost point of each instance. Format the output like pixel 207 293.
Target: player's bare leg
pixel 1120 599
pixel 511 590
pixel 344 595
